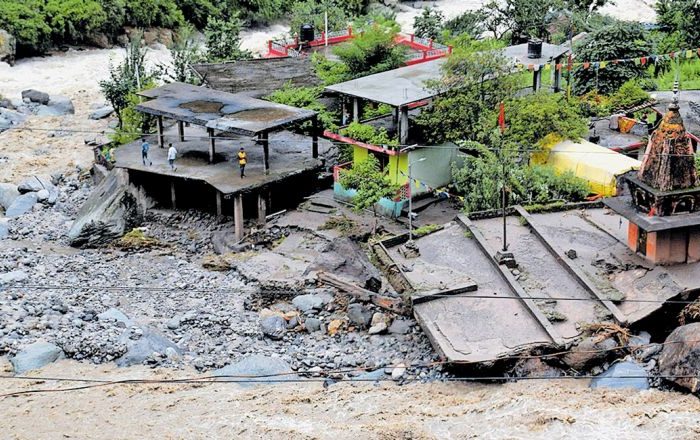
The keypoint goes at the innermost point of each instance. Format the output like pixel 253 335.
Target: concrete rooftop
pixel 549 53
pixel 229 112
pixel 397 87
pixel 289 154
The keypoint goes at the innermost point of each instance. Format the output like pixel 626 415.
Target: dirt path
pixel 525 410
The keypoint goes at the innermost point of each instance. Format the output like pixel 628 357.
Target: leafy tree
pixel 519 19
pixel 153 13
pixel 197 12
pixel 622 40
pixel 680 17
pixel 73 20
pixel 223 39
pixel 473 83
pixel 257 11
pixel 186 51
pixel 308 98
pixel 470 23
pixel 126 78
pixel 115 12
pixel 330 72
pixel 373 51
pixel 429 24
pixel 531 118
pixel 313 12
pixel 369 134
pixel 25 20
pixel 370 182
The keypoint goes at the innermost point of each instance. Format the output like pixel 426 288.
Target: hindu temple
pixel 662 207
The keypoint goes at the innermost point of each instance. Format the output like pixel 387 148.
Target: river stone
pixel 401 326
pixel 35 183
pixel 36 96
pixel 312 325
pixel 273 326
pixel 22 205
pixel 622 375
pixel 257 365
pixel 8 47
pixel 8 194
pixel 57 106
pixel 681 357
pixel 589 351
pixel 117 315
pixel 101 113
pixel 4 228
pixel 309 302
pixel 137 351
pixel 359 315
pixel 35 356
pixel 16 276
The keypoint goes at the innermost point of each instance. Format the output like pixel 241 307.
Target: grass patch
pixel 137 239
pixel 340 223
pixel 689 76
pixel 425 230
pixel 546 207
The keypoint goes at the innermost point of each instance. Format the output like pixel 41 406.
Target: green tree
pixel 373 51
pixel 308 98
pixel 223 39
pixel 153 13
pixel 25 20
pixel 313 12
pixel 370 182
pixel 72 21
pixel 429 23
pixel 473 83
pixel 470 23
pixel 520 19
pixel 185 51
pixel 621 40
pixel 680 17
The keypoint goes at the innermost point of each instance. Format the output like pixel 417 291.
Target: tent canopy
pixel 599 166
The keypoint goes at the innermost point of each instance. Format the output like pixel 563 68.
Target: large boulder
pixel 102 112
pixel 35 356
pixel 57 106
pixel 35 184
pixel 22 205
pixel 589 351
pixel 680 357
pixel 622 375
pixel 10 118
pixel 8 47
pixel 4 228
pixel 143 348
pixel 347 259
pixel 257 369
pixel 36 96
pixel 112 209
pixel 8 195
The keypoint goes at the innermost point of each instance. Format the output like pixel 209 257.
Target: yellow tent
pixel 599 166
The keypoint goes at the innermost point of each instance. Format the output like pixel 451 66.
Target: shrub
pixel 73 21
pixel 308 98
pixel 223 39
pixel 330 72
pixel 369 134
pixel 470 23
pixel 25 20
pixel 153 13
pixel 370 182
pixel 373 51
pixel 429 23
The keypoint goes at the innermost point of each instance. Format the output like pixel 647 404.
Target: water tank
pixel 534 48
pixel 306 33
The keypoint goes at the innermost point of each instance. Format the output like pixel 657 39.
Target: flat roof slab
pixel 289 154
pixel 549 53
pixel 624 207
pixel 398 87
pixel 468 329
pixel 228 112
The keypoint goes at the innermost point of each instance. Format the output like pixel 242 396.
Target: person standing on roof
pixel 172 155
pixel 242 161
pixel 145 146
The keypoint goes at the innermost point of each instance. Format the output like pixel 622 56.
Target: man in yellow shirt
pixel 242 161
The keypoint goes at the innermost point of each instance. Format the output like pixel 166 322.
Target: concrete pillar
pixel 343 111
pixel 537 79
pixel 314 137
pixel 219 204
pixel 633 237
pixel 161 136
pixel 556 75
pixel 403 125
pixel 355 109
pixel 238 216
pixel 693 246
pixel 181 130
pixel 395 118
pixel 173 198
pixel 212 144
pixel 262 207
pixel 264 140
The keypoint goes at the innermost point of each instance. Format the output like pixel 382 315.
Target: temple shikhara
pixel 663 205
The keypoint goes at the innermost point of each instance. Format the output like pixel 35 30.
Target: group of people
pixel 172 156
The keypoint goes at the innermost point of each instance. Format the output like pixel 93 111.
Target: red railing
pixel 378 148
pixel 337 168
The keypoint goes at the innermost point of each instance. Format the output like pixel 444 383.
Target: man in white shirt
pixel 172 155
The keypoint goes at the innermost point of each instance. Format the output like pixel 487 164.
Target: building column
pixel 343 110
pixel 265 141
pixel 262 207
pixel 219 204
pixel 395 118
pixel 161 136
pixel 173 199
pixel 355 109
pixel 212 144
pixel 537 79
pixel 403 125
pixel 314 137
pixel 181 130
pixel 238 216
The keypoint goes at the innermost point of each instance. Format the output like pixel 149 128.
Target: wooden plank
pixel 438 294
